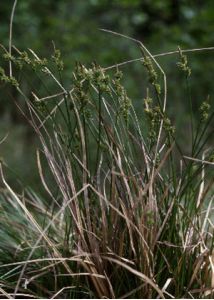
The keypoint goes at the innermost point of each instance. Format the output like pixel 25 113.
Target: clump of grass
pixel 126 214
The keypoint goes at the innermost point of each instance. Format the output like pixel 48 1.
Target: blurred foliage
pixel 73 26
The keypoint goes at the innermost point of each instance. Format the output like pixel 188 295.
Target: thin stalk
pixel 99 128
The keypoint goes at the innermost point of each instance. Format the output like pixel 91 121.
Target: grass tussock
pixel 127 214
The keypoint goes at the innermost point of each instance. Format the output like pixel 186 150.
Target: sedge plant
pixel 126 213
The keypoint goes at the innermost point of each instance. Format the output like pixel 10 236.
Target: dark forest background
pixel 74 26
